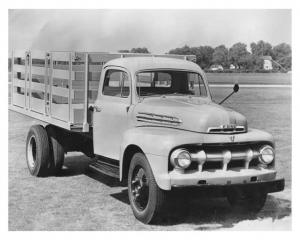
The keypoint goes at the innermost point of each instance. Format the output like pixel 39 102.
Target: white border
pixel 154 4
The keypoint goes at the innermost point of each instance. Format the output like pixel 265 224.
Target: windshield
pixel 170 82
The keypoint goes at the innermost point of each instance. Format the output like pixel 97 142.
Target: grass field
pixel 249 78
pixel 81 200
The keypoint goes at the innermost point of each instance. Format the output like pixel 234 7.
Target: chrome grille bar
pixel 224 157
pixel 157 118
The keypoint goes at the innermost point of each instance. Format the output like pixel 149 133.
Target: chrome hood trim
pixel 158 119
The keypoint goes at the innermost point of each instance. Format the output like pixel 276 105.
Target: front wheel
pixel 247 201
pixel 147 200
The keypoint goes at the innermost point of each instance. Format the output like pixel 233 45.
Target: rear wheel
pixel 146 198
pixel 57 152
pixel 37 151
pixel 247 201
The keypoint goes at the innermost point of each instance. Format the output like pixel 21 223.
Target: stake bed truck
pixel 145 119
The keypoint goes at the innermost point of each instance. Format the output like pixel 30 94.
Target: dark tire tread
pixel 157 197
pixel 57 153
pixel 41 168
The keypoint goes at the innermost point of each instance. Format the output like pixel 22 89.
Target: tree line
pixel 237 55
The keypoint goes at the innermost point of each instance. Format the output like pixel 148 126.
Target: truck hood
pixel 187 113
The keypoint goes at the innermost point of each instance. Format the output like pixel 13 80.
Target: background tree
pixel 282 54
pixel 261 48
pixel 124 51
pixel 185 50
pixel 203 54
pixel 139 50
pixel 237 54
pixel 220 56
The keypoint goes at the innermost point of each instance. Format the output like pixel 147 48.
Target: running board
pixel 104 167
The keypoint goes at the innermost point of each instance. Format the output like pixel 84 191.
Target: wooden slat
pixel 38 70
pixel 19 83
pixel 19 68
pixel 37 86
pixel 79 95
pixel 60 111
pixel 64 74
pixel 60 91
pixel 79 85
pixel 38 105
pixel 18 99
pixel 94 76
pixel 77 106
pixel 42 117
pixel 78 68
pixel 95 68
pixel 79 76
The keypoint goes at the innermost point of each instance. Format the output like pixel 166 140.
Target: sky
pixel 158 30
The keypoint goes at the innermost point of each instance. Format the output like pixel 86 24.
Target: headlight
pixel 180 158
pixel 267 154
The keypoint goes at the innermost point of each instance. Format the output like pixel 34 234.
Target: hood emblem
pixel 229 129
pixel 233 126
pixel 232 137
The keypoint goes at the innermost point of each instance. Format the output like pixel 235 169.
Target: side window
pixel 196 84
pixel 116 83
pixel 202 87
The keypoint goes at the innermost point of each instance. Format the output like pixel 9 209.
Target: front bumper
pixel 221 190
pixel 220 177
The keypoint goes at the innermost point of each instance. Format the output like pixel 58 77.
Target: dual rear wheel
pixel 44 152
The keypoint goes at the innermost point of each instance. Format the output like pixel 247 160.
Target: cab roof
pixel 135 64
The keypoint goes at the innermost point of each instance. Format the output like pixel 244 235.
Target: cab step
pixel 106 166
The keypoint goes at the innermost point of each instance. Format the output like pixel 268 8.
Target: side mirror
pixel 236 87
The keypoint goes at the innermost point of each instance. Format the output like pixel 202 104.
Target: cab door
pixel 111 112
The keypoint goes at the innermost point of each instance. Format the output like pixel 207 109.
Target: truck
pixel 148 120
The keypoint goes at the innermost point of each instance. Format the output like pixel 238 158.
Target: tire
pixel 57 152
pixel 247 201
pixel 148 206
pixel 37 151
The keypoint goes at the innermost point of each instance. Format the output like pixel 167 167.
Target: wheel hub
pixel 31 152
pixel 140 188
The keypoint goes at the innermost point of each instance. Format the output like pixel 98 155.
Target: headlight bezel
pixel 177 162
pixel 262 159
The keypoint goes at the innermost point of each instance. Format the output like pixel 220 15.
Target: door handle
pixel 95 108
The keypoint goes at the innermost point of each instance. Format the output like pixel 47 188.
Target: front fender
pixel 157 142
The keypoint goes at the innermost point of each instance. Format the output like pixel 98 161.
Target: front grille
pixel 212 166
pixel 225 156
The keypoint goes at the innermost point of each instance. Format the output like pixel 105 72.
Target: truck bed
pixel 58 87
